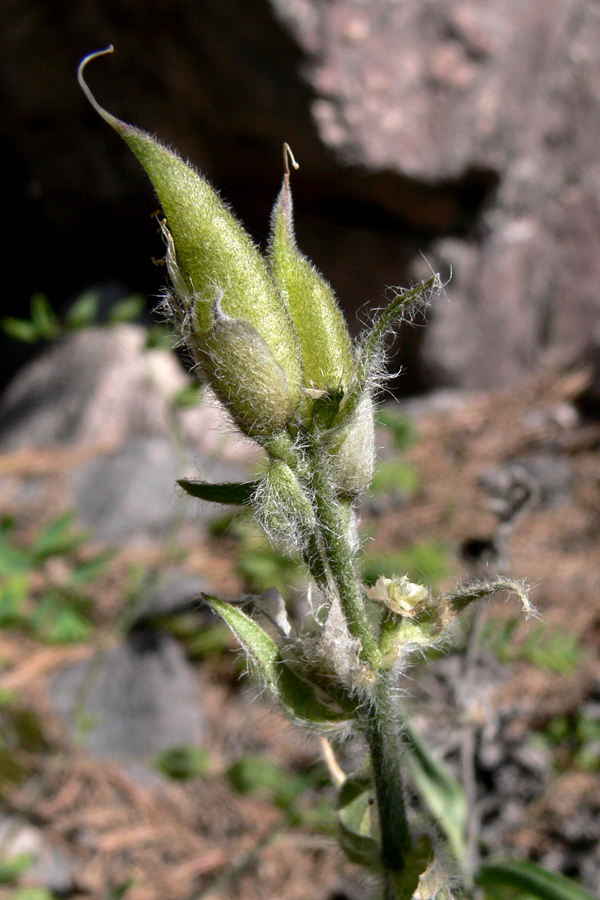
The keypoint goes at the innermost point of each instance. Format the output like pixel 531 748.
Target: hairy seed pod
pixel 327 353
pixel 211 251
pixel 245 375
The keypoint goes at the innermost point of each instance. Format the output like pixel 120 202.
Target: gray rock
pixel 134 700
pixel 50 869
pixel 129 491
pixel 99 387
pixel 110 405
pixel 547 480
pixel 462 129
pixel 174 592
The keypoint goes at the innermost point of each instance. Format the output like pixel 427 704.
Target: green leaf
pixel 32 893
pixel 12 868
pixel 440 790
pixel 381 326
pixel 230 492
pixel 297 697
pixel 188 397
pixel 119 890
pixel 127 310
pixel 395 476
pixel 401 425
pixel 19 330
pixel 181 763
pixel 58 539
pixel 84 310
pixel 528 881
pixel 88 570
pixel 460 598
pixel 13 595
pixel 255 774
pixel 57 619
pixel 358 832
pixel 425 561
pixel 417 859
pixel 13 560
pixel 43 318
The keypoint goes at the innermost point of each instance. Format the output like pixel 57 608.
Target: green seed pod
pixel 327 352
pixel 213 252
pixel 351 451
pixel 244 374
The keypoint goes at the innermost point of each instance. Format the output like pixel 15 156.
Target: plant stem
pixel 381 731
pixel 380 722
pixel 339 555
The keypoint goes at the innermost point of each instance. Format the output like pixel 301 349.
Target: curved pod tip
pixel 112 120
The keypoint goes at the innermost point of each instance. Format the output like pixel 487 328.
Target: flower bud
pixel 351 451
pixel 284 508
pixel 399 595
pixel 327 352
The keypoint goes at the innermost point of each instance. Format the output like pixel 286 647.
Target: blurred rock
pixel 98 386
pixel 129 491
pixel 174 592
pixel 133 700
pixel 546 479
pixel 461 130
pixel 50 869
pixel 101 409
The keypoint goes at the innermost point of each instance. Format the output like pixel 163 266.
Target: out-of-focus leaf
pixel 505 879
pixel 120 890
pixel 255 774
pixel 84 310
pixel 19 330
pixel 229 492
pixel 88 570
pixel 58 620
pixel 43 318
pixel 13 867
pixel 440 790
pixel 58 538
pixel 32 893
pixel 14 591
pixel 182 763
pixel 127 310
pixel 358 832
pixel 188 397
pixel 296 696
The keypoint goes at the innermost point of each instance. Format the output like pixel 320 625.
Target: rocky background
pixel 460 136
pixel 443 133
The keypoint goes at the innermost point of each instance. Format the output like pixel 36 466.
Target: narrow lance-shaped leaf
pixel 381 326
pixel 440 790
pixel 296 696
pixel 229 492
pixel 358 833
pixel 527 880
pixel 463 596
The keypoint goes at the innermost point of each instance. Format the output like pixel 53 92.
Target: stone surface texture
pixel 104 407
pixel 464 131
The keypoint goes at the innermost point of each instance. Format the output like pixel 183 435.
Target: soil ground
pixel 168 840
